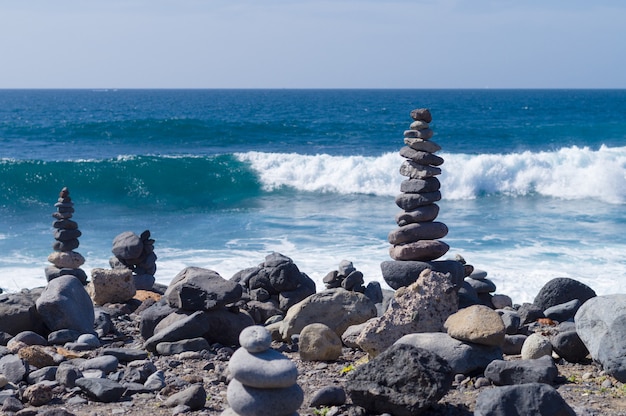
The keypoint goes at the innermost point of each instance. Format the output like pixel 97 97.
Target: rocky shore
pixel 266 342
pixel 115 369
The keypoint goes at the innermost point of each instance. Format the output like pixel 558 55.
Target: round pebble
pixel 89 339
pixel 536 346
pixel 255 338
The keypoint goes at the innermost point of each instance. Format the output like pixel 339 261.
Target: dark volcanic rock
pixel 403 273
pixel 403 380
pixel 195 288
pixel 561 290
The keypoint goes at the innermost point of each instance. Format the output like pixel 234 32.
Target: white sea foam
pixel 569 173
pixel 519 272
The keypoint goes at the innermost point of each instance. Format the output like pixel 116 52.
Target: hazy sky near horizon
pixel 312 44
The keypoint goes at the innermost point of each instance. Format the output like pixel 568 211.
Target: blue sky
pixel 312 44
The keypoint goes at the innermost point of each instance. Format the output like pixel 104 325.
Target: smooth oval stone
pixel 416 171
pixel 69 259
pixel 65 224
pixel 409 202
pixel 418 231
pixel 424 134
pixel 89 339
pixel 267 369
pixel 68 245
pixel 421 214
pixel 422 145
pixel 255 338
pixel 418 186
pixel 421 157
pixel 423 250
pixel 419 125
pixel 250 401
pixel 104 363
pixel 66 235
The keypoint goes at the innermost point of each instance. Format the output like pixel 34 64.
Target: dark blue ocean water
pixel 534 182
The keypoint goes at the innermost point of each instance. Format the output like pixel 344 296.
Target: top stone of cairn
pixel 422 114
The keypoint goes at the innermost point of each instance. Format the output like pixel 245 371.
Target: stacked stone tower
pixel 416 244
pixel 417 237
pixel 65 260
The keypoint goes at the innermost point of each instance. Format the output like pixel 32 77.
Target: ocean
pixel 533 184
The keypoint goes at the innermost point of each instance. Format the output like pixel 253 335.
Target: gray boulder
pixel 541 370
pixel 19 312
pixel 403 380
pixel 185 328
pixel 536 399
pixel 601 325
pixel 462 357
pixel 13 368
pixel 569 346
pixel 337 308
pixel 151 316
pixel 65 304
pixel 195 289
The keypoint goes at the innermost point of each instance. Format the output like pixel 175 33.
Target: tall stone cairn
pixel 417 236
pixel 65 261
pixel 416 244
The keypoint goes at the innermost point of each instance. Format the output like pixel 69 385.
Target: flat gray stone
pixel 101 389
pixel 251 401
pixel 537 399
pixel 540 370
pixel 266 369
pixel 463 357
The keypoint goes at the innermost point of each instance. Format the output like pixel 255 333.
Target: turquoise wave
pixel 182 182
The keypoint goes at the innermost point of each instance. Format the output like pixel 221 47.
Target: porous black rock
pixel 403 380
pixel 561 290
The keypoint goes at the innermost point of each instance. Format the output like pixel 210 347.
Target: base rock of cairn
pixel 65 261
pixel 416 243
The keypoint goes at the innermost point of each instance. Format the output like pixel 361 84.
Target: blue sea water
pixel 533 184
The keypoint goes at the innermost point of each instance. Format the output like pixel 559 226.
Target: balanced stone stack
pixel 416 242
pixel 417 237
pixel 135 252
pixel 264 381
pixel 64 259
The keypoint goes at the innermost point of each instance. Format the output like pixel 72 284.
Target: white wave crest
pixel 325 173
pixel 568 173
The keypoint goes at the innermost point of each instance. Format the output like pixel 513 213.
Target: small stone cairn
pixel 264 381
pixel 417 237
pixel 65 260
pixel 135 252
